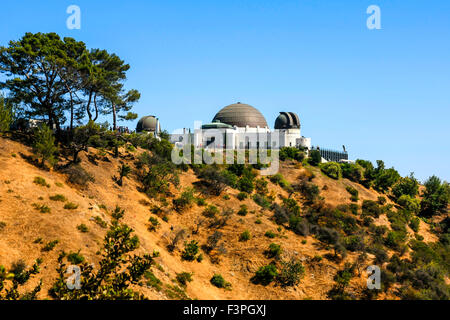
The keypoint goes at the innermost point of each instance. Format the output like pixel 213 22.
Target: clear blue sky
pixel 385 93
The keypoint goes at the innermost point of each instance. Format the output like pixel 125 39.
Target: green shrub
pixel 44 145
pixel 261 186
pixel 83 228
pixel 190 250
pixel 406 186
pixel 242 195
pixel 353 207
pixel 210 211
pixel 201 202
pixel 50 245
pixel 42 208
pixel 99 221
pixel 70 206
pixel 409 203
pixel 395 239
pixel 262 201
pixel 382 201
pixel 75 258
pixel 290 273
pixel 270 234
pixel 245 184
pixel 58 197
pixel 184 201
pixel 243 210
pixel 414 224
pixel 153 281
pixel 371 208
pixel 184 277
pixel 314 157
pixel 418 237
pixel 41 181
pixel 354 243
pixel 154 223
pixel 124 170
pixel 265 275
pixel 291 153
pixel 280 180
pixel 354 192
pixel 216 180
pixel 245 236
pixel 352 171
pixel 308 189
pixel 274 251
pixel 331 169
pixel 218 281
pixel 159 175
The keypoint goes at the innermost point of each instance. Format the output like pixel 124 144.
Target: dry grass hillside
pixel 27 230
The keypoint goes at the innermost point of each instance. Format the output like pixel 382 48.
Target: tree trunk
pixel 95 106
pixel 114 117
pixel 71 112
pixel 88 106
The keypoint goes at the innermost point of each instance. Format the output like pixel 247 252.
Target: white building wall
pixel 239 138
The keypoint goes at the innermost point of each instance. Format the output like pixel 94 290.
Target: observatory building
pixel 241 126
pixel 149 124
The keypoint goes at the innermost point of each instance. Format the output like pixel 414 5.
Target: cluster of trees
pixel 54 78
pixel 403 190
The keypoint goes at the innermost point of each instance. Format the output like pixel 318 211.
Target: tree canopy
pixel 52 78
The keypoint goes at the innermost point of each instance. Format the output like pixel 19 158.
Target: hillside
pixel 26 230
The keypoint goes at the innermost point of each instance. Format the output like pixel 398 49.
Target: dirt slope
pixel 24 225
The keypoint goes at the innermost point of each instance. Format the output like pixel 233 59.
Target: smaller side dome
pixel 148 124
pixel 287 120
pixel 216 124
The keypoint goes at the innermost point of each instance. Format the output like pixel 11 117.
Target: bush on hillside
pixel 331 169
pixel 44 145
pixel 406 186
pixel 354 192
pixel 290 273
pixel 291 153
pixel 409 203
pixel 218 281
pixel 76 174
pixel 216 180
pixel 184 201
pixel 315 158
pixel 308 189
pixel 353 172
pixel 265 275
pixel 371 208
pixel 435 197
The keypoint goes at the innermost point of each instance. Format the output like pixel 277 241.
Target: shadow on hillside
pixel 33 161
pixel 21 137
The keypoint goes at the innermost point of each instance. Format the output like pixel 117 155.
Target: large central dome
pixel 241 115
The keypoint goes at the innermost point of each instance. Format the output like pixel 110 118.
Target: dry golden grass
pixel 24 225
